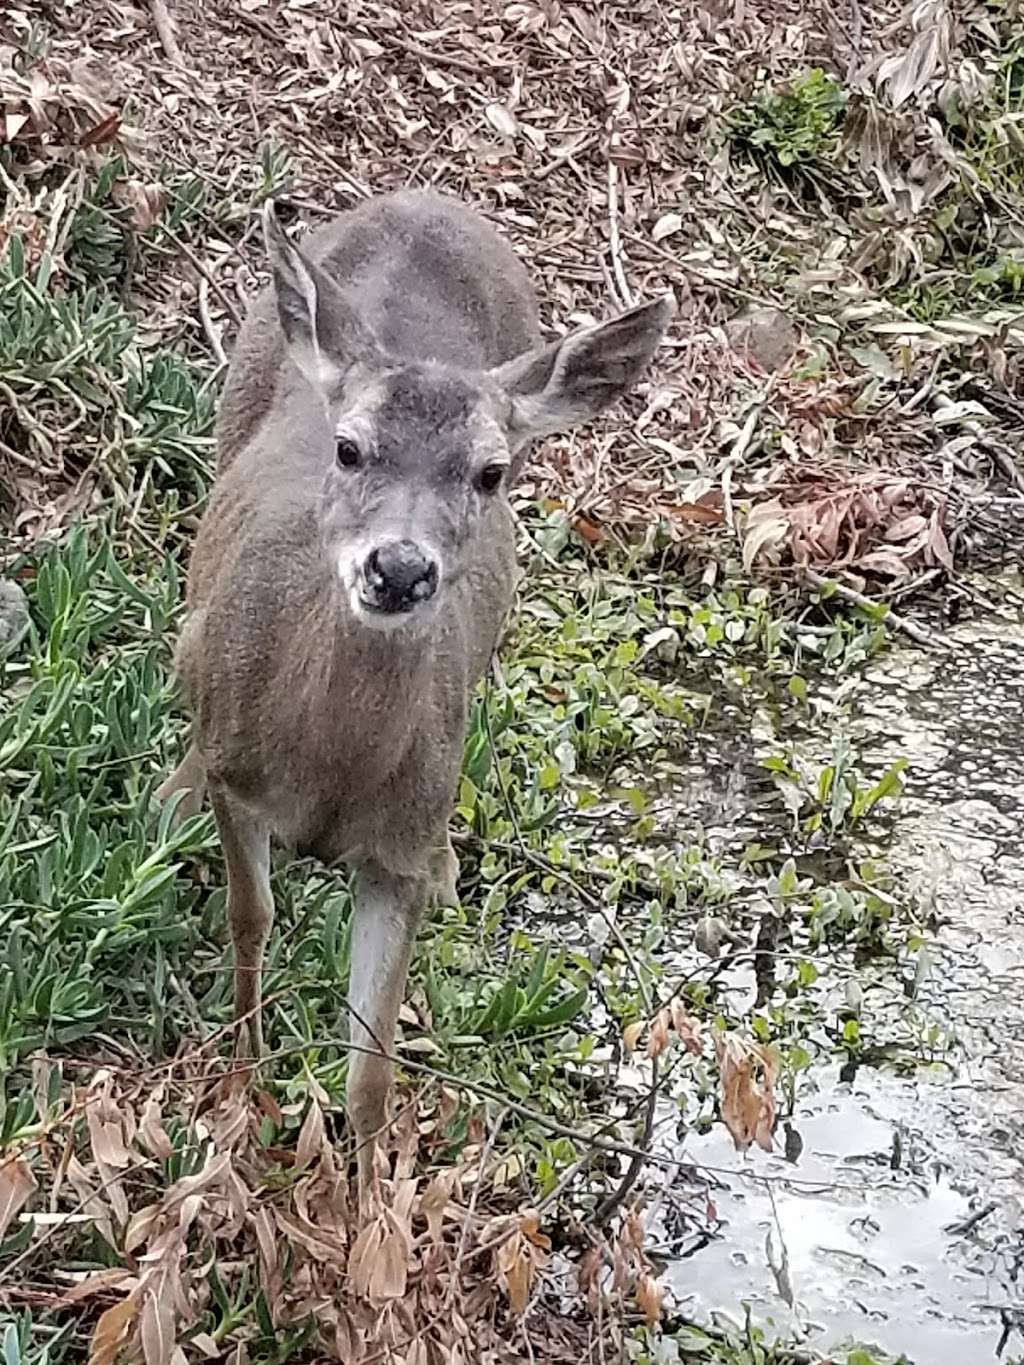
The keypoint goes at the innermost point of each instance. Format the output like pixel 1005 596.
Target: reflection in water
pixel 905 1227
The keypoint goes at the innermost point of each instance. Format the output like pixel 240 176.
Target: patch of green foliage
pixel 795 128
pixel 739 1345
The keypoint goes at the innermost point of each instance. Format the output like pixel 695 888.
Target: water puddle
pixel 901 1220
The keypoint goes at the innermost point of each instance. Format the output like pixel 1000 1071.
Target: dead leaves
pixel 748 1074
pixel 380 1258
pixel 17 1185
pixel 417 1281
pixel 673 1017
pixel 59 103
pixel 518 1260
pixel 875 522
pixel 112 1331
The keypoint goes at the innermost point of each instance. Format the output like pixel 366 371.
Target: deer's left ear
pixel 570 381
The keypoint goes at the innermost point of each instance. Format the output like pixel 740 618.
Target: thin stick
pixel 614 241
pixel 485 1157
pixel 204 271
pixel 931 639
pixel 212 335
pixel 164 26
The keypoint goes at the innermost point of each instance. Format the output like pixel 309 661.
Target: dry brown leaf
pixel 698 512
pixel 151 1129
pixel 937 542
pixel 105 131
pixel 587 531
pixel 435 1200
pixel 112 1331
pixel 666 226
pixel 631 1035
pixel 766 529
pixel 688 1029
pixel 188 1185
pixel 649 1295
pixel 515 1265
pixel 312 1137
pixel 317 1242
pixel 657 1041
pixel 107 1124
pixel 748 1072
pixel 518 1260
pixel 17 1185
pixel 99 1282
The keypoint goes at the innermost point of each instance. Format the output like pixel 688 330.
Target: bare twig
pixel 206 274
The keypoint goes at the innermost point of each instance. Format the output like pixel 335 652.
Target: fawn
pixel 352 571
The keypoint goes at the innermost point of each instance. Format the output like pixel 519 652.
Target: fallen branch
pixel 930 639
pixel 614 240
pixel 164 26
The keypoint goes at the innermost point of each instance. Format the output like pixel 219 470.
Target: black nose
pixel 398 575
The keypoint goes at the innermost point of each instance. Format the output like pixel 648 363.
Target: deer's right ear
pixel 325 337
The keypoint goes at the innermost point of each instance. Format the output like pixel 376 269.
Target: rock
pixel 766 335
pixel 14 617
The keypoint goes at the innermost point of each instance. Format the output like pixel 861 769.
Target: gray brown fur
pixel 410 327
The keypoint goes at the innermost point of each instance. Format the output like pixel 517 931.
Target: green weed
pixel 794 129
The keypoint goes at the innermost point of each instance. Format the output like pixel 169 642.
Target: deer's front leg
pixel 385 918
pixel 246 844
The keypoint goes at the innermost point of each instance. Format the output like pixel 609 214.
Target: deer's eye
pixel 490 477
pixel 347 453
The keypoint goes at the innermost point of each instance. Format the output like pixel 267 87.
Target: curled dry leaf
pixel 107 1126
pixel 748 1072
pixel 631 1035
pixel 649 1295
pixel 17 1184
pixel 766 529
pixel 657 1041
pixel 519 1258
pixel 674 1017
pixel 381 1254
pixel 312 1137
pixel 687 1028
pixel 435 1200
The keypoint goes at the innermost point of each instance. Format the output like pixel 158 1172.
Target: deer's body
pixel 356 562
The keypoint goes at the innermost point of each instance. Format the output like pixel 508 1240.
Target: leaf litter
pixel 423 1275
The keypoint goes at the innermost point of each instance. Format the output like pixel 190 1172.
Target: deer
pixel 354 568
